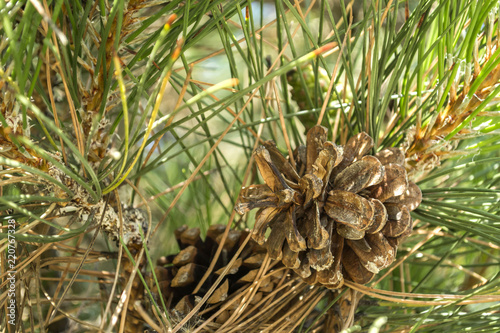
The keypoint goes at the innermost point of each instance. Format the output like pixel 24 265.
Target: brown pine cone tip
pixel 339 214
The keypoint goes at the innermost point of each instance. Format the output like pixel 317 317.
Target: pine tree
pixel 133 133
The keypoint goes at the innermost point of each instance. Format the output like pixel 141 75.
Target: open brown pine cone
pixel 180 274
pixel 255 294
pixel 338 213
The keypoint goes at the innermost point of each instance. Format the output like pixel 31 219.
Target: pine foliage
pixel 121 121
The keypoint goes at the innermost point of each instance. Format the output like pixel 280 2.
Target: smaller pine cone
pixel 338 214
pixel 298 91
pixel 179 274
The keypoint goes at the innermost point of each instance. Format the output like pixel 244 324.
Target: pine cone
pixel 339 214
pixel 179 274
pixel 298 91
